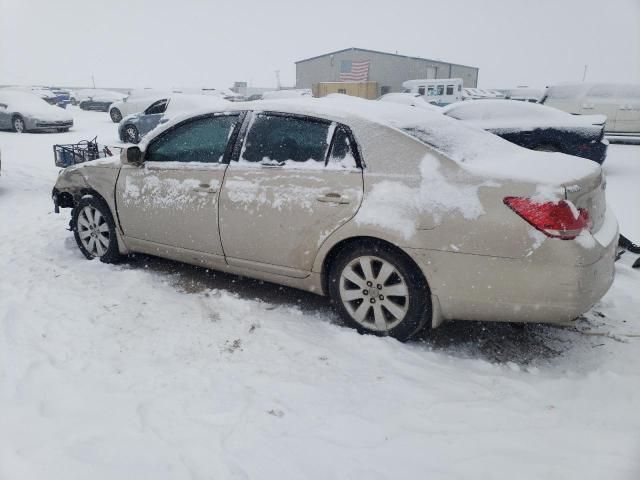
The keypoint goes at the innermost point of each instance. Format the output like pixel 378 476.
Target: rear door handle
pixel 333 198
pixel 204 188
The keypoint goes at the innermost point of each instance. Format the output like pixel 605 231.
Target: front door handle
pixel 333 198
pixel 204 188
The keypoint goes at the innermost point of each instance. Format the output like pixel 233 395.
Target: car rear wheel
pixel 116 115
pixel 94 230
pixel 379 291
pixel 18 124
pixel 131 134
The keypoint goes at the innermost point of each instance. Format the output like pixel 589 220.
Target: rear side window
pixel 449 89
pixel 203 140
pixel 282 139
pixel 342 151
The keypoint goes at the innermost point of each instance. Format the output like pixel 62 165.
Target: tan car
pixel 404 217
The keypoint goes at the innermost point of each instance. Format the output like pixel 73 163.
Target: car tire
pixel 116 115
pixel 95 230
pixel 18 124
pixel 63 130
pixel 131 134
pixel 379 290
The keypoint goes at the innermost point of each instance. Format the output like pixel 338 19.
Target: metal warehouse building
pixel 384 71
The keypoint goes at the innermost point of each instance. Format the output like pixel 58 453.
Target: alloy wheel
pixel 93 230
pixel 18 125
pixel 374 293
pixel 131 133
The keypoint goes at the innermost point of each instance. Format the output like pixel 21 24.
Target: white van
pixel 441 91
pixel 619 102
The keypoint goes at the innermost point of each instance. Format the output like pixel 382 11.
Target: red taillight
pixel 554 219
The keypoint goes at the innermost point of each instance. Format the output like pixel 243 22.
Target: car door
pixel 173 198
pixel 601 99
pixel 628 115
pixel 296 180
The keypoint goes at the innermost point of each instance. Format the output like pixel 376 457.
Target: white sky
pixel 137 43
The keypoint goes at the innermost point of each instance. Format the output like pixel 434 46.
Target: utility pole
pixel 279 86
pixel 584 74
pixel 93 80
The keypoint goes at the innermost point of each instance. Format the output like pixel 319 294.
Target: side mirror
pixel 131 156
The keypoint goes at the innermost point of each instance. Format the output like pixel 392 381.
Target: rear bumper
pixel 552 285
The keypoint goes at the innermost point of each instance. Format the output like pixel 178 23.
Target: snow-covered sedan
pixel 536 127
pixel 26 112
pixel 133 127
pixel 404 217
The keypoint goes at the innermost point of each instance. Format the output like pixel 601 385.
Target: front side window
pixel 203 140
pixel 158 107
pixel 449 89
pixel 440 90
pixel 431 91
pixel 279 139
pixel 421 90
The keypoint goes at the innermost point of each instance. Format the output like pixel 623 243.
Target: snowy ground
pixel 155 370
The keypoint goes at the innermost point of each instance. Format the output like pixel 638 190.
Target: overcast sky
pixel 197 43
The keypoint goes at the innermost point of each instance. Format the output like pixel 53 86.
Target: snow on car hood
pixel 31 105
pixel 472 148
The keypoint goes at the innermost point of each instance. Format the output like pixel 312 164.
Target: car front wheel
pixel 131 134
pixel 18 125
pixel 94 230
pixel 380 291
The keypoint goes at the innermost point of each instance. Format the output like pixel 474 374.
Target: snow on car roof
pixel 496 113
pixel 472 148
pixel 187 102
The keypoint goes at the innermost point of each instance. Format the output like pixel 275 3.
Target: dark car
pixel 536 127
pixel 100 101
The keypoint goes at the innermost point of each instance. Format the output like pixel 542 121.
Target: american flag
pixel 352 71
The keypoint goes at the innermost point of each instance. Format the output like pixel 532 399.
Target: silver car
pixel 26 112
pixel 135 126
pixel 404 217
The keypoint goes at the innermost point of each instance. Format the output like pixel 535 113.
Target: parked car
pixel 404 217
pixel 133 127
pixel 97 94
pixel 134 104
pixel 620 103
pixel 536 127
pixel 63 97
pixel 100 101
pixel 410 99
pixel 26 112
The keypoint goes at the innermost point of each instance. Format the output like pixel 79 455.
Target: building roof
pixel 382 53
